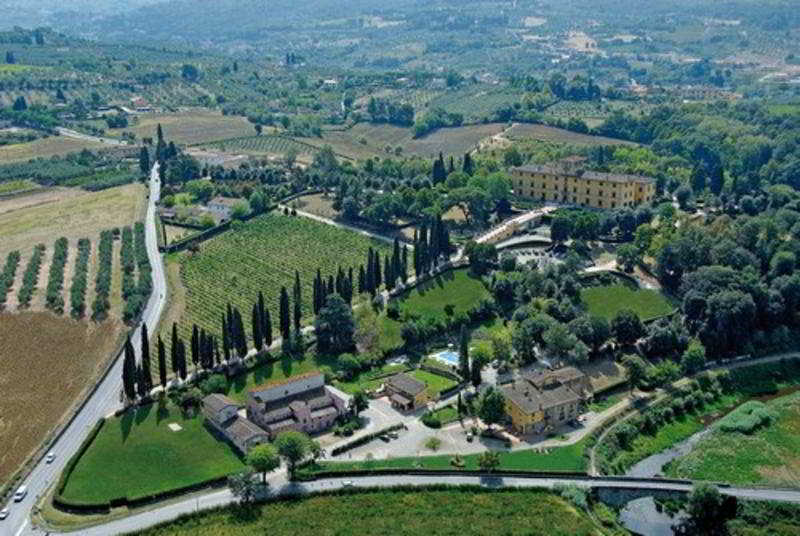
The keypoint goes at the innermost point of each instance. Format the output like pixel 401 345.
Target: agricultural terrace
pixel 51 354
pixel 261 255
pixel 190 127
pixel 45 148
pixel 521 131
pixel 768 454
pixel 607 301
pixel 456 291
pixel 153 449
pixel 265 145
pixel 43 216
pixel 560 459
pixel 365 140
pixel 425 511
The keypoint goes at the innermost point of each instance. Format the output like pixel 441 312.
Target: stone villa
pixel 566 181
pixel 222 414
pixel 406 392
pixel 543 400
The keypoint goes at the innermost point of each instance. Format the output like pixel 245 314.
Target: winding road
pixel 103 400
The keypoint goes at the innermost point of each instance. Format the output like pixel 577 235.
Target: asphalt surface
pixel 103 401
pixel 67 133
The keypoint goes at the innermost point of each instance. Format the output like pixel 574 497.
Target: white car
pixel 20 494
pixel 347 484
pixel 50 457
pixel 4 513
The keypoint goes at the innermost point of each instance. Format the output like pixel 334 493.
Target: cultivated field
pixel 522 131
pixel 46 363
pixel 190 127
pixel 607 301
pixel 265 145
pixel 316 204
pixel 262 255
pixel 148 456
pixel 424 512
pixel 45 148
pixel 43 216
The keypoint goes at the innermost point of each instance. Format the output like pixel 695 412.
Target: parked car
pixel 20 494
pixel 50 457
pixel 4 513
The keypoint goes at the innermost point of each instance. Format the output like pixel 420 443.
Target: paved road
pixel 67 133
pixel 279 485
pixel 104 400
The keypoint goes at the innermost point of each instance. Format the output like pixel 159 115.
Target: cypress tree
pixel 129 371
pixel 267 330
pixel 451 167
pixel 468 167
pixel 145 358
pixel 226 343
pixel 331 288
pixel 216 352
pixel 240 340
pixel 173 350
pixel 315 296
pixel 144 160
pixel 369 281
pixel 141 382
pixel 388 274
pixel 195 342
pixel 285 320
pixel 258 340
pixel 377 270
pixel 404 265
pixel 463 353
pixel 182 359
pixel 297 298
pixel 162 363
pixel 362 280
pixel 261 309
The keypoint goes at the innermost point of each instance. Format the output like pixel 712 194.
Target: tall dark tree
pixel 129 371
pixel 285 315
pixel 162 363
pixel 404 265
pixel 240 339
pixel 362 280
pixel 226 341
pixel 468 167
pixel 141 382
pixel 298 301
pixel 195 346
pixel 144 160
pixel 463 353
pixel 145 359
pixel 378 273
pixel 258 340
pixel 267 329
pixel 173 351
pixel 182 372
pixel 439 170
pixel 335 326
pixel 388 274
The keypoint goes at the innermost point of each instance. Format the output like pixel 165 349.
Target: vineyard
pixel 262 145
pixel 262 255
pixel 31 276
pixel 7 276
pixel 55 284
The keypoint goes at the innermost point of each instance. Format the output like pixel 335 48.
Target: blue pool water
pixel 447 356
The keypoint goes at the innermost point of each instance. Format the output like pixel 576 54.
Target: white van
pixel 20 493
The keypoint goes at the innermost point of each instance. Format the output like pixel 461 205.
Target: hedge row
pixel 102 283
pixel 364 439
pixel 55 283
pixel 31 276
pixel 79 279
pixel 136 300
pixel 7 276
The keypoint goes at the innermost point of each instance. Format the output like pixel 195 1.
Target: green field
pixel 457 288
pixel 10 187
pixel 137 454
pixel 262 255
pixel 262 145
pixel 607 301
pixel 444 511
pixel 563 459
pixel 768 456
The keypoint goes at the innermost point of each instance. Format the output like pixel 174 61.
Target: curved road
pixel 104 399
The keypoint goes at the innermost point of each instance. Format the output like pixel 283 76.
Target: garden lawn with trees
pixel 425 511
pixel 138 454
pixel 607 301
pixel 263 255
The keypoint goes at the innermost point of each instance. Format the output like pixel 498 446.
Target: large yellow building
pixel 567 182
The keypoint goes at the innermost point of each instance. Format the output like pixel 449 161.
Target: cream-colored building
pixel 567 182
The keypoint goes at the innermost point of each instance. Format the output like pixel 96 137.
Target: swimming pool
pixel 448 357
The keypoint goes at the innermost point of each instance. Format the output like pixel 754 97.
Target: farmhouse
pixel 540 401
pixel 221 413
pixel 222 207
pixel 301 403
pixel 406 392
pixel 566 181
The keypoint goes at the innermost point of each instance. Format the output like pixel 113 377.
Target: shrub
pixel 431 420
pixel 55 283
pixel 7 275
pixel 31 276
pixel 77 291
pixel 747 418
pixel 216 383
pixel 577 496
pixel 102 281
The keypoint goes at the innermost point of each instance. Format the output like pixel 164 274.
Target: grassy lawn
pixel 446 414
pixel 369 380
pixel 770 455
pixel 457 288
pixel 10 187
pixel 604 403
pixel 436 383
pixel 607 301
pixel 262 255
pixel 565 459
pixel 443 512
pixel 146 457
